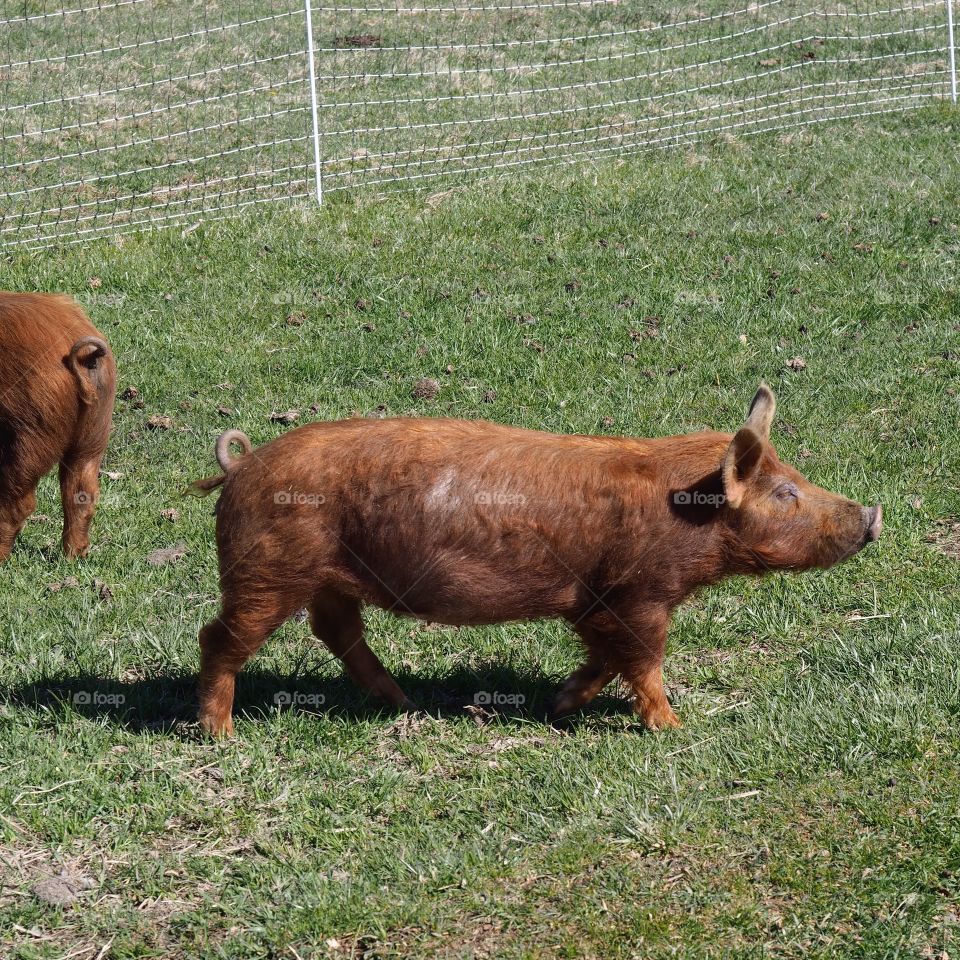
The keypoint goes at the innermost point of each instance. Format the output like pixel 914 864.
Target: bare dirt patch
pixel 27 867
pixel 945 537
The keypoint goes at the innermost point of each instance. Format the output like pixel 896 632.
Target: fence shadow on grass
pixel 167 702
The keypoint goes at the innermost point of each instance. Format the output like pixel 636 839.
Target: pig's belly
pixel 454 588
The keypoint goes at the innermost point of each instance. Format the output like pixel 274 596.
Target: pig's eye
pixel 787 492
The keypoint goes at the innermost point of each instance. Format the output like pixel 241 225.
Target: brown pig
pixel 57 381
pixel 467 522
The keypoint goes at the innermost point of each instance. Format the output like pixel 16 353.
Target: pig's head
pixel 777 519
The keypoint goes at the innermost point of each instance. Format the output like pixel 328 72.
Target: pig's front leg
pixel 636 638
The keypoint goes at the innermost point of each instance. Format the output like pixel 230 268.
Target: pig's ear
pixel 745 452
pixel 762 409
pixel 740 463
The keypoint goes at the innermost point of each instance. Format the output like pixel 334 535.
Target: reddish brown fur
pixel 466 522
pixel 56 403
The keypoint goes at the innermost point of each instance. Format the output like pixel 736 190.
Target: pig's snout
pixel 873 517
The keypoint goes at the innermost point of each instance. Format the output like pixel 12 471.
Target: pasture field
pixel 810 806
pixel 117 114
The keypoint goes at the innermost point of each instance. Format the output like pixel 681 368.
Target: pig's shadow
pixel 167 702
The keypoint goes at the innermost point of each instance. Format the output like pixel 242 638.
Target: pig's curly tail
pixel 226 441
pixel 200 488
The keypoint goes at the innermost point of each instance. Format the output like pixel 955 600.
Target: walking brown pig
pixel 467 522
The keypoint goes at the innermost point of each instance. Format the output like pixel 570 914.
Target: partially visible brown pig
pixel 466 522
pixel 57 381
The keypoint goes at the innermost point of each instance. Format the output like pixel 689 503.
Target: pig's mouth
pixel 865 532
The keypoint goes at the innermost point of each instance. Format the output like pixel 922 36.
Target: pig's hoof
pixel 408 706
pixel 215 727
pixel 661 718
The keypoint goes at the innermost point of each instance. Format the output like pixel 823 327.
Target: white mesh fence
pixel 120 114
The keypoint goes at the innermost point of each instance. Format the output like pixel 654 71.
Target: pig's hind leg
pixel 226 644
pixel 337 621
pixel 79 490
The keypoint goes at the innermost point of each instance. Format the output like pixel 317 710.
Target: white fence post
pixel 953 52
pixel 313 100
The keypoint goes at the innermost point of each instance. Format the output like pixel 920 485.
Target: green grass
pixel 809 805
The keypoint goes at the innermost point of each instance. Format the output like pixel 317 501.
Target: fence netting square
pixel 121 114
